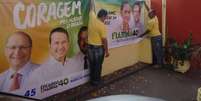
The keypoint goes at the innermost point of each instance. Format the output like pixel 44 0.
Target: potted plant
pixel 178 55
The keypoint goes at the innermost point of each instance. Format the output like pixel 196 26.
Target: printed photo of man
pixel 138 25
pixel 125 12
pixel 124 21
pixel 82 43
pixel 18 54
pixel 57 64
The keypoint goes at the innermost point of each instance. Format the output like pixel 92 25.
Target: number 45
pixel 31 92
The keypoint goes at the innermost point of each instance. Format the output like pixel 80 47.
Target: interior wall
pixel 128 55
pixel 183 17
pixel 157 5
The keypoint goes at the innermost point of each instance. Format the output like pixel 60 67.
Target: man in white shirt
pixel 82 42
pixel 58 64
pixel 18 53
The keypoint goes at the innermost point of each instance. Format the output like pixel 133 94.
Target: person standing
pixel 156 38
pixel 97 46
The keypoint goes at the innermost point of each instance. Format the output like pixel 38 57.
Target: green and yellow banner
pixel 125 22
pixel 37 18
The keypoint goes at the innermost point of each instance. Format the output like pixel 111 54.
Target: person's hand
pixel 107 54
pixel 142 35
pixel 148 36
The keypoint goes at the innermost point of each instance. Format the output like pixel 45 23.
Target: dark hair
pixel 123 3
pixel 58 29
pixel 102 13
pixel 82 29
pixel 152 13
pixel 138 4
pixel 26 35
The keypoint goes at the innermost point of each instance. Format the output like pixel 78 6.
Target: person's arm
pixel 146 6
pixel 105 46
pixel 145 33
pixel 150 26
pixel 92 5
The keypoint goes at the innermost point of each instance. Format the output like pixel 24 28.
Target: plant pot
pixel 183 66
pixel 199 94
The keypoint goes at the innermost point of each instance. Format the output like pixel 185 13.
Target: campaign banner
pixel 125 22
pixel 39 48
